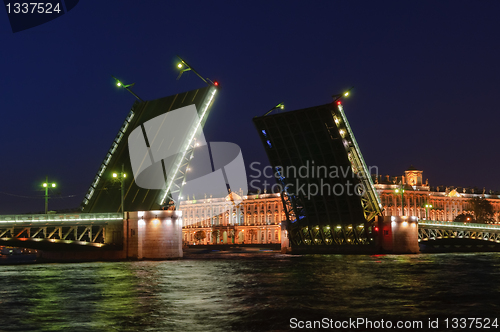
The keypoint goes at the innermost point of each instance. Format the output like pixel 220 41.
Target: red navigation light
pixel 216 83
pixel 376 229
pixel 338 102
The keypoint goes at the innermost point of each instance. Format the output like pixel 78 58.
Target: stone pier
pixel 153 234
pixel 398 234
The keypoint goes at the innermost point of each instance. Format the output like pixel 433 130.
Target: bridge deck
pixel 44 230
pixel 457 225
pixel 438 230
pixel 58 218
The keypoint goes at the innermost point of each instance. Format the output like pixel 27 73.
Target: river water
pixel 249 292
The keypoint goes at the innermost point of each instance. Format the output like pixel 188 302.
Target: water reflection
pixel 254 293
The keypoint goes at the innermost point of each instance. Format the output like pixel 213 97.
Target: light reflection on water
pixel 245 292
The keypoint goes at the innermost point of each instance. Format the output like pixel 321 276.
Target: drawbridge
pixel 165 176
pixel 332 204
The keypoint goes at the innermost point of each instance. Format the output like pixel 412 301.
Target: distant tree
pixel 465 217
pixel 482 209
pixel 252 233
pixel 200 236
pixel 215 235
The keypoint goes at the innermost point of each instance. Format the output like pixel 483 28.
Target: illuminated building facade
pixel 447 202
pixel 257 219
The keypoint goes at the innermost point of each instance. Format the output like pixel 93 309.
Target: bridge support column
pixel 153 234
pixel 399 234
pixel 285 241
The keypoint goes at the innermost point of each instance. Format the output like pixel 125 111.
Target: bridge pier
pixel 153 234
pixel 398 234
pixel 285 241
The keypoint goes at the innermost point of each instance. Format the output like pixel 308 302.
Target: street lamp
pixel 280 106
pixel 121 176
pixel 340 95
pixel 47 185
pixel 427 207
pixel 126 87
pixel 183 67
pixel 401 191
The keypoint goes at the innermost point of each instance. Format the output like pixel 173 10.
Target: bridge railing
pixel 457 224
pixel 73 217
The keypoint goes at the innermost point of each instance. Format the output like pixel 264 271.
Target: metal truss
pixel 427 234
pixel 180 176
pixel 326 235
pixel 369 198
pixel 79 234
pixel 109 155
pixel 293 207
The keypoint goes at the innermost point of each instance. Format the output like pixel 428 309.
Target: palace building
pixel 257 219
pixel 447 202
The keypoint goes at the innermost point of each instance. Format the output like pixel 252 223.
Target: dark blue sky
pixel 426 77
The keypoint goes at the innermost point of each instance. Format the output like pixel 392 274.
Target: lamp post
pixel 183 67
pixel 280 106
pixel 46 185
pixel 336 97
pixel 401 191
pixel 427 207
pixel 126 87
pixel 121 176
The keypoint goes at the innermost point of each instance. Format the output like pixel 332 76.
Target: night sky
pixel 426 77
